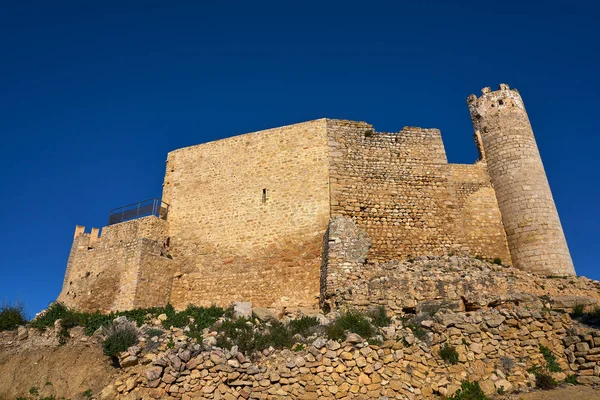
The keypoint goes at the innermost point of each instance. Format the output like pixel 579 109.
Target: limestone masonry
pixel 287 217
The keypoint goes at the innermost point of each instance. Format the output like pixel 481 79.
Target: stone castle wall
pixel 247 216
pixel 124 268
pixel 401 190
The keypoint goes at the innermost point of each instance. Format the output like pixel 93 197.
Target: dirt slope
pixel 71 369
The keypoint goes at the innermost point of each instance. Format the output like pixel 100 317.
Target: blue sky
pixel 94 94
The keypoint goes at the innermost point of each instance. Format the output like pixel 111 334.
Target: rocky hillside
pixel 485 327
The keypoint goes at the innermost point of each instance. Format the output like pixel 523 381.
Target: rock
pixel 264 313
pixel 185 355
pixel 154 373
pixel 354 338
pixel 162 317
pixel 333 345
pixel 22 333
pixel 168 378
pixel 299 361
pixel 120 320
pixel 504 385
pixel 128 361
pixel 134 350
pixel 568 302
pixel 242 309
pixel 487 386
pixel 432 307
pixel 447 319
pixel 319 343
pixel 494 321
pixel 108 393
pixel 588 380
pixel 427 323
pixel 130 383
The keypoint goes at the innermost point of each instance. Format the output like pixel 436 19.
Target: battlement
pixel 494 101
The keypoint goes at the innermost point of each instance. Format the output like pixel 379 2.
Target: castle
pixel 248 218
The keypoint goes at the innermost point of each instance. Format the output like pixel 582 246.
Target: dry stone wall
pixel 496 347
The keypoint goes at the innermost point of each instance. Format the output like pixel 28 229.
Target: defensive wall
pixel 250 216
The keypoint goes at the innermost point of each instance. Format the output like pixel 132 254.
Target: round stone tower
pixel 535 236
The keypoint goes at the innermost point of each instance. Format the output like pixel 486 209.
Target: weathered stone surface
pixel 242 309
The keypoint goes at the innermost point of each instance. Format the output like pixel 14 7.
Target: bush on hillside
pixel 545 382
pixel 449 354
pixel 119 337
pixel 469 391
pixel 302 325
pixel 352 321
pixel 379 317
pixel 11 316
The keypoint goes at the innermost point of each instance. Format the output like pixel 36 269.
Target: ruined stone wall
pixel 464 282
pixel 401 190
pixel 247 217
pixel 124 268
pixel 533 228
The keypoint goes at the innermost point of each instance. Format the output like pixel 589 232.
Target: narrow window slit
pixel 264 196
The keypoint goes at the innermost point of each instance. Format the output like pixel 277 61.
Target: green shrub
pixel 278 336
pixel 154 332
pixel 545 382
pixel 577 310
pixel 119 337
pixel 237 332
pixel 11 316
pixel 551 363
pixel 415 327
pixel 449 354
pixel 535 369
pixel 298 347
pixel 55 311
pixel 302 325
pixel 352 321
pixel 97 320
pixel 497 261
pixel 469 391
pixel 572 379
pixel 379 317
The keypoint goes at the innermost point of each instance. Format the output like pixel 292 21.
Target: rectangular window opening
pixel 264 196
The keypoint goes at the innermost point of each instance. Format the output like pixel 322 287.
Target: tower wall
pixel 534 232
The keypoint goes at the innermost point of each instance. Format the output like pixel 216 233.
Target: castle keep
pixel 280 217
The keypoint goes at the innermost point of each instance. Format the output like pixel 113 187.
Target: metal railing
pixel 145 208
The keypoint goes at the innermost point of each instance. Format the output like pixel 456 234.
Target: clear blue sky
pixel 94 94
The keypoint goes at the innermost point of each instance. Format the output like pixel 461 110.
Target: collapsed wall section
pixel 247 217
pixel 126 267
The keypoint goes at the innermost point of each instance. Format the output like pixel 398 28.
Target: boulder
pixel 242 309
